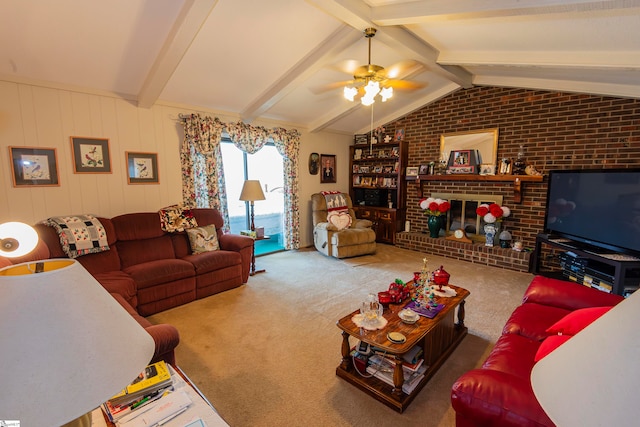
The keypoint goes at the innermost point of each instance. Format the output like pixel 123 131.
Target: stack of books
pixel 382 367
pixel 149 386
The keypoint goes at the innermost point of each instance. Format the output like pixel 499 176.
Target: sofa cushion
pixel 567 295
pixel 137 226
pixel 549 344
pixel 577 320
pixel 160 271
pixel 211 261
pixel 203 239
pixel 133 252
pixel 513 354
pixel 532 320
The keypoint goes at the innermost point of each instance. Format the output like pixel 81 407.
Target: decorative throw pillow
pixel 577 320
pixel 79 234
pixel 176 218
pixel 340 220
pixel 549 344
pixel 203 239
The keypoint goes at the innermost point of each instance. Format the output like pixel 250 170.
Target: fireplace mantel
pixel 516 179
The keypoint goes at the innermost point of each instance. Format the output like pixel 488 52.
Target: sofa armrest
pixel 167 339
pixel 567 295
pixel 489 398
pixel 234 242
pixel 325 226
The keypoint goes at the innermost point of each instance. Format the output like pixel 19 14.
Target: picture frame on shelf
pixel 486 169
pixel 399 135
pixel 361 139
pixel 90 155
pixel 424 170
pixel 395 152
pixel 377 169
pixel 142 168
pixel 364 169
pixel 412 171
pixel 328 169
pixel 356 168
pixel 34 167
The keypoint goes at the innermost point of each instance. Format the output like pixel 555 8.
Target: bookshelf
pixel 377 187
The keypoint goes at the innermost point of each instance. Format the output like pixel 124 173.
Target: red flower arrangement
pixel 493 212
pixel 434 207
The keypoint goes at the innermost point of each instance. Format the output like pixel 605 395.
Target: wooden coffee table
pixel 438 337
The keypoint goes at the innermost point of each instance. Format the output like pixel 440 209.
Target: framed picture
pixel 90 155
pixel 461 158
pixel 34 167
pixel 486 169
pixel 142 168
pixel 328 165
pixel 412 171
pixel 399 135
pixel 424 170
pixel 314 163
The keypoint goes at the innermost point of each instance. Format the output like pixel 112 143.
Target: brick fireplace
pixel 557 130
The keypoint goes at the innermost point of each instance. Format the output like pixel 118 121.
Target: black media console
pixel 610 272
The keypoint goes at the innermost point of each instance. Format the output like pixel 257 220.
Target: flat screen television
pixel 598 207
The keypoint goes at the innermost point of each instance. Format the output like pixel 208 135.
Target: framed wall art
pixel 142 168
pixel 34 167
pixel 328 168
pixel 412 171
pixel 90 155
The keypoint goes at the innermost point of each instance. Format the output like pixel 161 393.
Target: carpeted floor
pixel 265 354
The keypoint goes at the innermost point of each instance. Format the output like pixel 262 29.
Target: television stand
pixel 625 277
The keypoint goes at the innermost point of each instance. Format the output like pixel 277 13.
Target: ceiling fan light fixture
pixel 350 93
pixel 367 100
pixel 371 89
pixel 386 93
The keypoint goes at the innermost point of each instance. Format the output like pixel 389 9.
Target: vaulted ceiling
pixel 268 59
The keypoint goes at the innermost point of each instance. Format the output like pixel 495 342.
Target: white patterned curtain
pixel 249 139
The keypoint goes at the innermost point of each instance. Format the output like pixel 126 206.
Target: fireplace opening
pixel 462 214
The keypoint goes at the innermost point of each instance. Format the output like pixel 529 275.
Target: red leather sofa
pixel 499 393
pixel 148 270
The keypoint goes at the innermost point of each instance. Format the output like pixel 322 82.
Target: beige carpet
pixel 265 354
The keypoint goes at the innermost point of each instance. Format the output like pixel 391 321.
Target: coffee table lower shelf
pixel 383 392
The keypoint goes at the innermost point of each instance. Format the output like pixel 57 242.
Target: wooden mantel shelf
pixel 516 179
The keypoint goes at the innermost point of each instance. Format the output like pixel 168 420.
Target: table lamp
pixel 17 239
pixel 252 191
pixel 66 345
pixel 592 379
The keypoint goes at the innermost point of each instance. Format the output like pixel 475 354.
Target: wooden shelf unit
pixel 379 192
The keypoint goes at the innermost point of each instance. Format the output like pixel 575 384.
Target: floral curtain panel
pixel 202 172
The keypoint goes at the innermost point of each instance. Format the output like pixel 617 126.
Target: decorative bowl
pixel 408 316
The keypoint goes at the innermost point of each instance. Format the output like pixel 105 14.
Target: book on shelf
pixel 154 377
pixel 385 375
pixel 387 363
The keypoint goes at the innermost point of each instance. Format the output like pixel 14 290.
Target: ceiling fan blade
pixel 347 66
pixel 330 86
pixel 403 84
pixel 402 68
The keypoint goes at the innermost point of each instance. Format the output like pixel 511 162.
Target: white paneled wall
pixel 43 117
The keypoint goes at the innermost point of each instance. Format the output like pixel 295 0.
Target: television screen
pixel 600 208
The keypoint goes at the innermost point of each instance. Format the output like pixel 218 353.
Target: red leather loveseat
pixel 148 270
pixel 499 393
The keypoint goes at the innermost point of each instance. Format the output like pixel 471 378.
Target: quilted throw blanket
pixel 336 201
pixel 79 234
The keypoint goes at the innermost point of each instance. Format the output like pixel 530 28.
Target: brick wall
pixel 557 130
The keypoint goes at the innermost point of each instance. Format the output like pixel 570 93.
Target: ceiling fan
pixel 371 79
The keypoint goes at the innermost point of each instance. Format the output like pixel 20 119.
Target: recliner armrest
pixel 325 226
pixel 362 223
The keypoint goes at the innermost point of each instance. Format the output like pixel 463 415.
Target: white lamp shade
pixel 592 379
pixel 66 344
pixel 17 239
pixel 251 191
